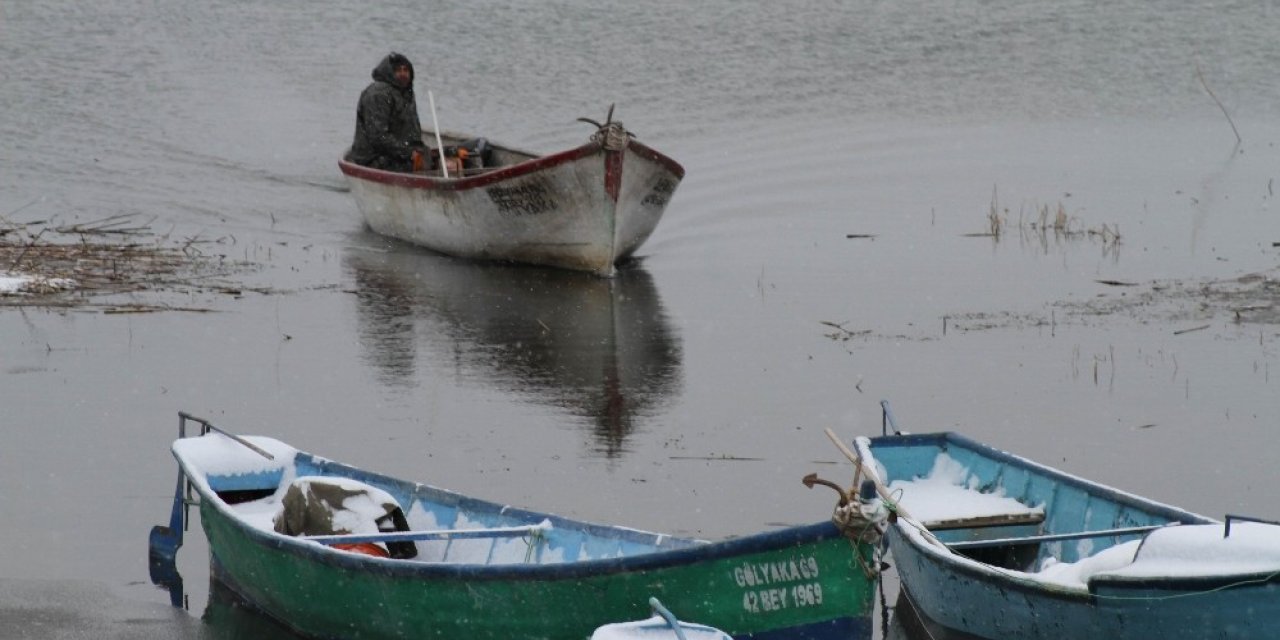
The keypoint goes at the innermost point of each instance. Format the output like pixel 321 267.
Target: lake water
pixel 825 251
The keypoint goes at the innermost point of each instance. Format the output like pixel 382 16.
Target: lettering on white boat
pixel 660 194
pixel 524 200
pixel 777 585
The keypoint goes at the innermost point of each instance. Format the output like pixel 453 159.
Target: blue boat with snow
pixel 996 546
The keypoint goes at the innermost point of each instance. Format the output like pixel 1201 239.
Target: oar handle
pixel 857 462
pixel 435 124
pixel 256 449
pixel 880 488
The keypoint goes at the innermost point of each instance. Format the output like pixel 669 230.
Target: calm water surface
pixel 752 319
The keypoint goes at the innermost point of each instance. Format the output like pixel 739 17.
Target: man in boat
pixel 388 134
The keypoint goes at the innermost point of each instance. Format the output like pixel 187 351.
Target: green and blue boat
pixel 481 569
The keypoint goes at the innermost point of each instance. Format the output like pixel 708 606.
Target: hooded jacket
pixel 387 128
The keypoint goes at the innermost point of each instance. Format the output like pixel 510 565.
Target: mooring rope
pixel 856 525
pixel 1190 594
pixel 862 528
pixel 612 136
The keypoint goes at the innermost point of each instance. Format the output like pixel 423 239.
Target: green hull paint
pixel 742 595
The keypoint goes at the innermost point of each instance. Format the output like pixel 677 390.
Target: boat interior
pixel 445 527
pixel 1015 514
pixel 480 155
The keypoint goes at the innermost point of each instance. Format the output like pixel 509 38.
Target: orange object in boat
pixel 367 548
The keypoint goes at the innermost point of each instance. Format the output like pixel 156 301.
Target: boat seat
pixel 977 528
pixel 992 520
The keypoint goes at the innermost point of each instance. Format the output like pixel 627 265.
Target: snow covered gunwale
pixel 1065 557
pixel 486 570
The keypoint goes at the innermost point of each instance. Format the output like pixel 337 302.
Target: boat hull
pixel 583 209
pixel 990 607
pixel 326 599
pixel 804 582
pixel 970 596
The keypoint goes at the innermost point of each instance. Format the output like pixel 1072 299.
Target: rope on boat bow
pixel 857 516
pixel 610 134
pixel 860 518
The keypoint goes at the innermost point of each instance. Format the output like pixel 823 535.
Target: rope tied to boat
pixel 610 134
pixel 857 525
pixel 860 518
pixel 862 532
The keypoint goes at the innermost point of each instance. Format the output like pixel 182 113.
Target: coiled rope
pixel 612 136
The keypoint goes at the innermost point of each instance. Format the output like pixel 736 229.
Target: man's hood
pixel 385 71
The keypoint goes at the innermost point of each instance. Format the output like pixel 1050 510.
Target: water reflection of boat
pixel 231 617
pixel 602 349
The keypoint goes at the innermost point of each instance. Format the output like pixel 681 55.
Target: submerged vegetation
pixel 105 264
pixel 1043 221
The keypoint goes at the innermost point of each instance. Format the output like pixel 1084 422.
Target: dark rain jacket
pixel 387 128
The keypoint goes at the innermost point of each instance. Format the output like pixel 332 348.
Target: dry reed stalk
pixel 1231 122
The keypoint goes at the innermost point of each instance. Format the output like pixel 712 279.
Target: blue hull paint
pixel 977 599
pixel 999 609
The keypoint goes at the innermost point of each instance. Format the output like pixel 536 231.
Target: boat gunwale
pixel 1181 583
pixel 504 173
pixel 790 537
pixel 943 438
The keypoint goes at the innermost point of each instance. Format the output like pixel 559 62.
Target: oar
pixel 256 449
pixel 209 425
pixel 857 462
pixel 435 124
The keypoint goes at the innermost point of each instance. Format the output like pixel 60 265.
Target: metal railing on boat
pixel 534 531
pixel 533 535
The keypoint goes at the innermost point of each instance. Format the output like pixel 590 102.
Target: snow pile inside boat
pixel 1201 550
pixel 1177 551
pixel 949 493
pixel 1076 575
pixel 217 455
